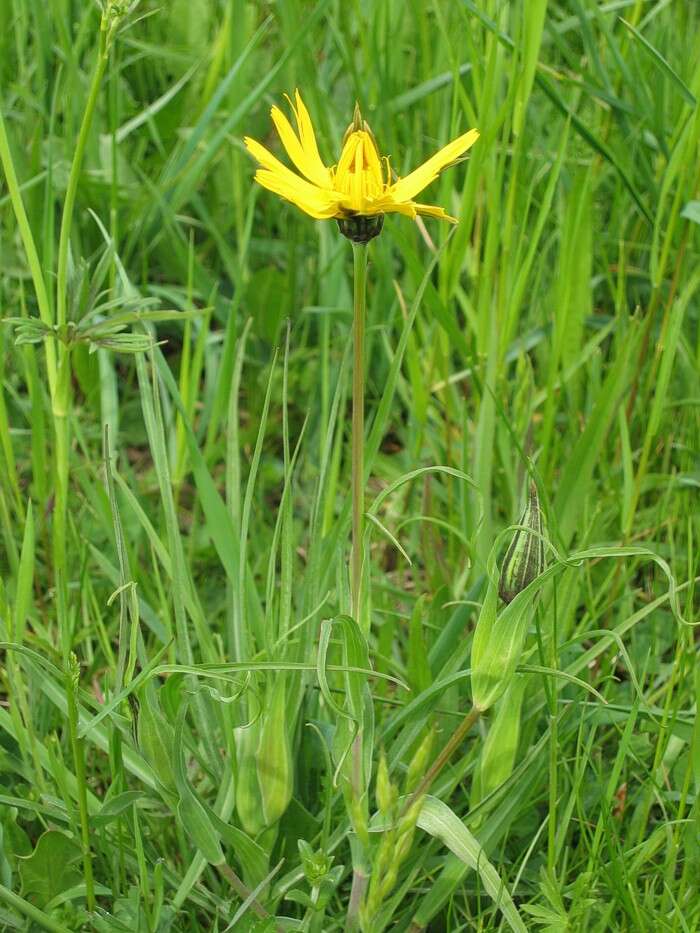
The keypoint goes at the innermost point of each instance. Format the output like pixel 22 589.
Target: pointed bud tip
pixel 357 121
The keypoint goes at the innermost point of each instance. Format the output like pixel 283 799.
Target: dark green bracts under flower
pixel 361 228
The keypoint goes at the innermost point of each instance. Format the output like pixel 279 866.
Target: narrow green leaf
pixel 25 577
pixel 662 64
pixel 438 820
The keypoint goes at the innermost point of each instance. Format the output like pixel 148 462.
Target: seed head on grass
pixel 397 838
pixel 115 15
pixel 360 189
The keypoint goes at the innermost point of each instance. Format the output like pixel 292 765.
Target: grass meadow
pixel 200 728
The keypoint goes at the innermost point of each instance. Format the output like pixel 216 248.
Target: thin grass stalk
pixel 28 909
pixel 61 401
pixel 78 749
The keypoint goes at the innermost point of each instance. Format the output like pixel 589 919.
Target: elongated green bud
pixel 274 757
pixel 525 557
pixel 248 796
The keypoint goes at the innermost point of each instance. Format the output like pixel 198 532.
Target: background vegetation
pixel 174 487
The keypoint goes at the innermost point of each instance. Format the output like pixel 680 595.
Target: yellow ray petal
pixel 347 205
pixel 268 161
pixel 356 178
pixel 430 210
pixel 372 162
pixel 385 204
pixel 311 200
pixel 264 156
pixel 308 137
pixel 406 188
pixel 312 168
pixel 346 162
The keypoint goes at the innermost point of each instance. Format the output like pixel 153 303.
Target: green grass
pixel 194 734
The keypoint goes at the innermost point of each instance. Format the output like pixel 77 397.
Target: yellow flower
pixel 360 185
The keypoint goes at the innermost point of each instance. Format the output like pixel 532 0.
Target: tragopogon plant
pixel 357 192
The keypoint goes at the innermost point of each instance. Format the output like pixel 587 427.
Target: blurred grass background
pixel 207 519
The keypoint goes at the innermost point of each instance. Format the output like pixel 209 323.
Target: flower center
pixel 359 171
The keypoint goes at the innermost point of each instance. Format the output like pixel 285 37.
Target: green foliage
pixel 52 868
pixel 230 749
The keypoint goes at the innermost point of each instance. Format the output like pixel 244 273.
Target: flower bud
pixel 274 757
pixel 525 557
pixel 248 796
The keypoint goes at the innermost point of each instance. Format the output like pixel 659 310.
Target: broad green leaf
pixel 53 866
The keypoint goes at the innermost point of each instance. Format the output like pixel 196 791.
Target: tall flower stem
pixel 455 740
pixel 358 815
pixel 359 254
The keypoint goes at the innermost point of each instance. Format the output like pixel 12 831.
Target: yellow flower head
pixel 360 185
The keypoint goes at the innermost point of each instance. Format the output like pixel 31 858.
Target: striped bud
pixel 525 557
